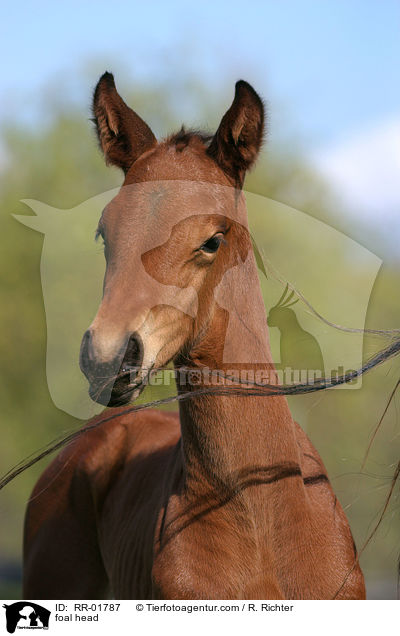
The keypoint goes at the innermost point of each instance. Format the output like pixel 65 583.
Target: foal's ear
pixel 237 142
pixel 122 134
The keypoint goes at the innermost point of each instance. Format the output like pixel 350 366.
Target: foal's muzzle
pixel 112 382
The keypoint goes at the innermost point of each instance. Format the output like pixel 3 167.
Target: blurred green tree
pixel 58 163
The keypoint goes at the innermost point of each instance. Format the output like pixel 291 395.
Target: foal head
pixel 176 227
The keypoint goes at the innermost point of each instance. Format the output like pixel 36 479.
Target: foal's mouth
pixel 118 382
pixel 121 389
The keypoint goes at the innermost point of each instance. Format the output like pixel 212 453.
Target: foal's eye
pixel 99 235
pixel 212 244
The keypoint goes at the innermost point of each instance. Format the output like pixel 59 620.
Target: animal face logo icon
pixel 26 615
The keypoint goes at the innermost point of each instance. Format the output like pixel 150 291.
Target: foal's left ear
pixel 122 134
pixel 238 140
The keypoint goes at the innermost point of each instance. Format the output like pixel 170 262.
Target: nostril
pixel 85 355
pixel 133 356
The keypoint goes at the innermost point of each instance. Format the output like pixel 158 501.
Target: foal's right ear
pixel 122 134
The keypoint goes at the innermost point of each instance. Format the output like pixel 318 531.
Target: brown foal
pixel 228 499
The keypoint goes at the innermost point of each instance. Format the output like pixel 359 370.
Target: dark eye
pixel 99 235
pixel 212 244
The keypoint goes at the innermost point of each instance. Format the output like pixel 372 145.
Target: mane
pixel 185 137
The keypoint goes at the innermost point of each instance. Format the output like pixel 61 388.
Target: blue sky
pixel 331 63
pixel 327 68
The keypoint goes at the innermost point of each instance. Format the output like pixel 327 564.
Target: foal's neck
pixel 229 440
